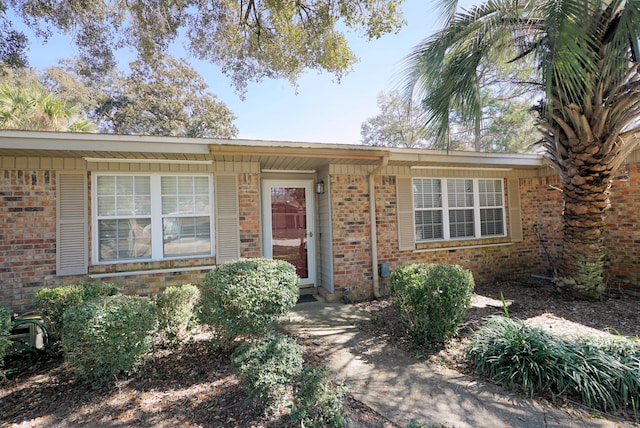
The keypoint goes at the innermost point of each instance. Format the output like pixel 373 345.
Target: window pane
pixel 491 222
pixel 461 224
pixel 123 239
pixel 460 193
pixel 185 195
pixel 490 193
pixel 186 236
pixel 428 225
pixel 427 193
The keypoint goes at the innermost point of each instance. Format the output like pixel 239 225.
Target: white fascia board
pixel 101 142
pixel 426 157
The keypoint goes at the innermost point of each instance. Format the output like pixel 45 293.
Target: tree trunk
pixel 586 186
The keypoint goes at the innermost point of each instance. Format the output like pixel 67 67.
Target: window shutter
pixel 227 219
pixel 406 228
pixel 515 215
pixel 72 228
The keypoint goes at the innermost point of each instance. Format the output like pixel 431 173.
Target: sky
pixel 319 109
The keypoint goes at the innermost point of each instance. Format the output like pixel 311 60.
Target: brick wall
pixel 249 200
pixel 499 259
pixel 351 234
pixel 27 234
pixel 622 233
pixel 28 243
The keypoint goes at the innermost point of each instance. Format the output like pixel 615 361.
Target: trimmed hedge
pixel 176 311
pixel 53 302
pixel 104 337
pixel 319 402
pixel 245 297
pixel 432 299
pixel 267 368
pixel 5 331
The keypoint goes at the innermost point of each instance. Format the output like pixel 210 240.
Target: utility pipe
pixel 374 237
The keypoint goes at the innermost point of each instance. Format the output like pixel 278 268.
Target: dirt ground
pixel 190 386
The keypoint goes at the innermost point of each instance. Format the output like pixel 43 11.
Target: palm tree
pixel 586 63
pixel 34 108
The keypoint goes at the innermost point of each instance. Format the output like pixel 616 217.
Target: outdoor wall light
pixel 320 187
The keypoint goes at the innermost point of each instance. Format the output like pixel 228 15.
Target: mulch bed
pixel 190 386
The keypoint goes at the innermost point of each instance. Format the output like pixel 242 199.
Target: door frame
pixel 267 233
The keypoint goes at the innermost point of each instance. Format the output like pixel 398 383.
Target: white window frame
pixel 444 184
pixel 157 244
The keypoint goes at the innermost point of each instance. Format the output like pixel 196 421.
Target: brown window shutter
pixel 406 228
pixel 72 238
pixel 227 219
pixel 515 214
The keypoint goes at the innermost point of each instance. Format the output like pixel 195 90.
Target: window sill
pixel 461 247
pixel 150 271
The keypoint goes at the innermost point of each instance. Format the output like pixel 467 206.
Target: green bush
pixel 318 402
pixel 245 297
pixel 432 299
pixel 176 312
pixel 103 337
pixel 5 331
pixel 53 302
pixel 601 374
pixel 267 368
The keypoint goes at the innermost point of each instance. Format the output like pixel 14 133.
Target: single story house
pixel 147 212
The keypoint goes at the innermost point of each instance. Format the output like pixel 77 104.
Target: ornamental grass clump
pixel 108 336
pixel 267 368
pixel 245 297
pixel 602 374
pixel 432 299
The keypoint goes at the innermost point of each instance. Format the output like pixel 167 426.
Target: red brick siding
pixel 351 234
pixel 487 263
pixel 27 234
pixel 249 198
pixel 622 232
pixel 28 241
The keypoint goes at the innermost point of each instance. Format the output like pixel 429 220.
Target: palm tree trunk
pixel 586 186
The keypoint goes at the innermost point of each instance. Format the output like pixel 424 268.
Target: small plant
pixel 319 401
pixel 53 302
pixel 267 368
pixel 432 299
pixel 176 312
pixel 106 336
pixel 244 297
pixel 5 331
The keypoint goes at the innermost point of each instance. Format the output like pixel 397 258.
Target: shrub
pixel 432 299
pixel 176 311
pixel 602 374
pixel 318 402
pixel 106 336
pixel 267 367
pixel 53 302
pixel 5 331
pixel 245 297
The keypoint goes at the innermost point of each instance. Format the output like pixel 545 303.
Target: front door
pixel 288 219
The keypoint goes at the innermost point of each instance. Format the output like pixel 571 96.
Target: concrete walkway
pixel 401 388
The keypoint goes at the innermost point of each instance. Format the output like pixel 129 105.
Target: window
pixel 457 208
pixel 152 217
